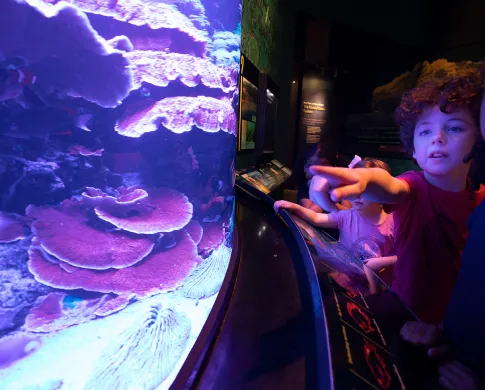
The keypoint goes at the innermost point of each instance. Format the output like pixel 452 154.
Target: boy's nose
pixel 439 137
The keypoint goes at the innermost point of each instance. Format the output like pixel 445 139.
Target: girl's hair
pixel 450 95
pixel 372 163
pixel 316 159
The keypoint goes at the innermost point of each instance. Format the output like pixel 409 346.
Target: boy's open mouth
pixel 438 155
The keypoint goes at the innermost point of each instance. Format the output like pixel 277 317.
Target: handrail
pixel 324 361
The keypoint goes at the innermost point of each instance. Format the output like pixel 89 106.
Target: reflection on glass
pixel 343 266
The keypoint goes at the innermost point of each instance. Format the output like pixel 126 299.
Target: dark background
pixel 364 45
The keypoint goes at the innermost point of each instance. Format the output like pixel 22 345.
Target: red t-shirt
pixel 430 233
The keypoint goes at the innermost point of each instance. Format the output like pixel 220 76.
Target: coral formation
pixel 58 310
pixel 180 114
pixel 64 51
pixel 207 278
pixel 144 354
pixel 19 290
pixel 160 271
pixel 162 210
pixel 212 236
pixel 159 69
pixel 58 230
pixel 195 231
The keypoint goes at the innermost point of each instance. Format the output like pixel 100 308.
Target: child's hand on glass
pixel 283 204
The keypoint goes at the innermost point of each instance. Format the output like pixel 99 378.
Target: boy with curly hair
pixel 461 339
pixel 439 125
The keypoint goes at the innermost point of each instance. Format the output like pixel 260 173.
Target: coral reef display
pixel 117 142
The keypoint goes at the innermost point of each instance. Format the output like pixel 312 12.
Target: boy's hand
pixel 455 376
pixel 334 184
pixel 283 204
pixel 420 333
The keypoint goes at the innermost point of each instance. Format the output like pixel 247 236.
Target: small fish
pixel 14 76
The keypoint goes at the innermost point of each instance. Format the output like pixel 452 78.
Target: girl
pixel 365 230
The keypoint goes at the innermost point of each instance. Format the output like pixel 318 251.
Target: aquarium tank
pixel 118 133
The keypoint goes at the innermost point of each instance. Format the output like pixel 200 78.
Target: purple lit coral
pixel 124 197
pixel 155 15
pixel 64 51
pixel 212 237
pixel 164 210
pixel 160 271
pixel 195 231
pixel 180 114
pixel 159 69
pixel 58 311
pixel 65 233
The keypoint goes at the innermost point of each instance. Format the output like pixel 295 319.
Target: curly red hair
pixel 450 95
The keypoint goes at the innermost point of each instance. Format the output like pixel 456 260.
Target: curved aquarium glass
pixel 117 142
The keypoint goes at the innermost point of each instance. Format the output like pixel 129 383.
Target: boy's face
pixel 442 141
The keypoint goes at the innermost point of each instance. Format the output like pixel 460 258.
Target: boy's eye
pixel 424 132
pixel 455 129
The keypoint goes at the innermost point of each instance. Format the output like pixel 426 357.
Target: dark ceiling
pixel 430 25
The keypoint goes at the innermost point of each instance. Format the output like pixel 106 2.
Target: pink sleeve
pixel 415 180
pixel 341 217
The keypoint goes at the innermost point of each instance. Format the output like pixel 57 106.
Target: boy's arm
pixel 374 184
pixel 316 219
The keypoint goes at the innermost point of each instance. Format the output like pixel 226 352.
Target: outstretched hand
pixel 330 184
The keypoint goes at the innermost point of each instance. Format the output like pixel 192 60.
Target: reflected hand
pixel 455 376
pixel 420 333
pixel 338 183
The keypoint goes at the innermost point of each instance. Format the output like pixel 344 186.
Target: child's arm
pixel 374 184
pixel 316 219
pixel 308 204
